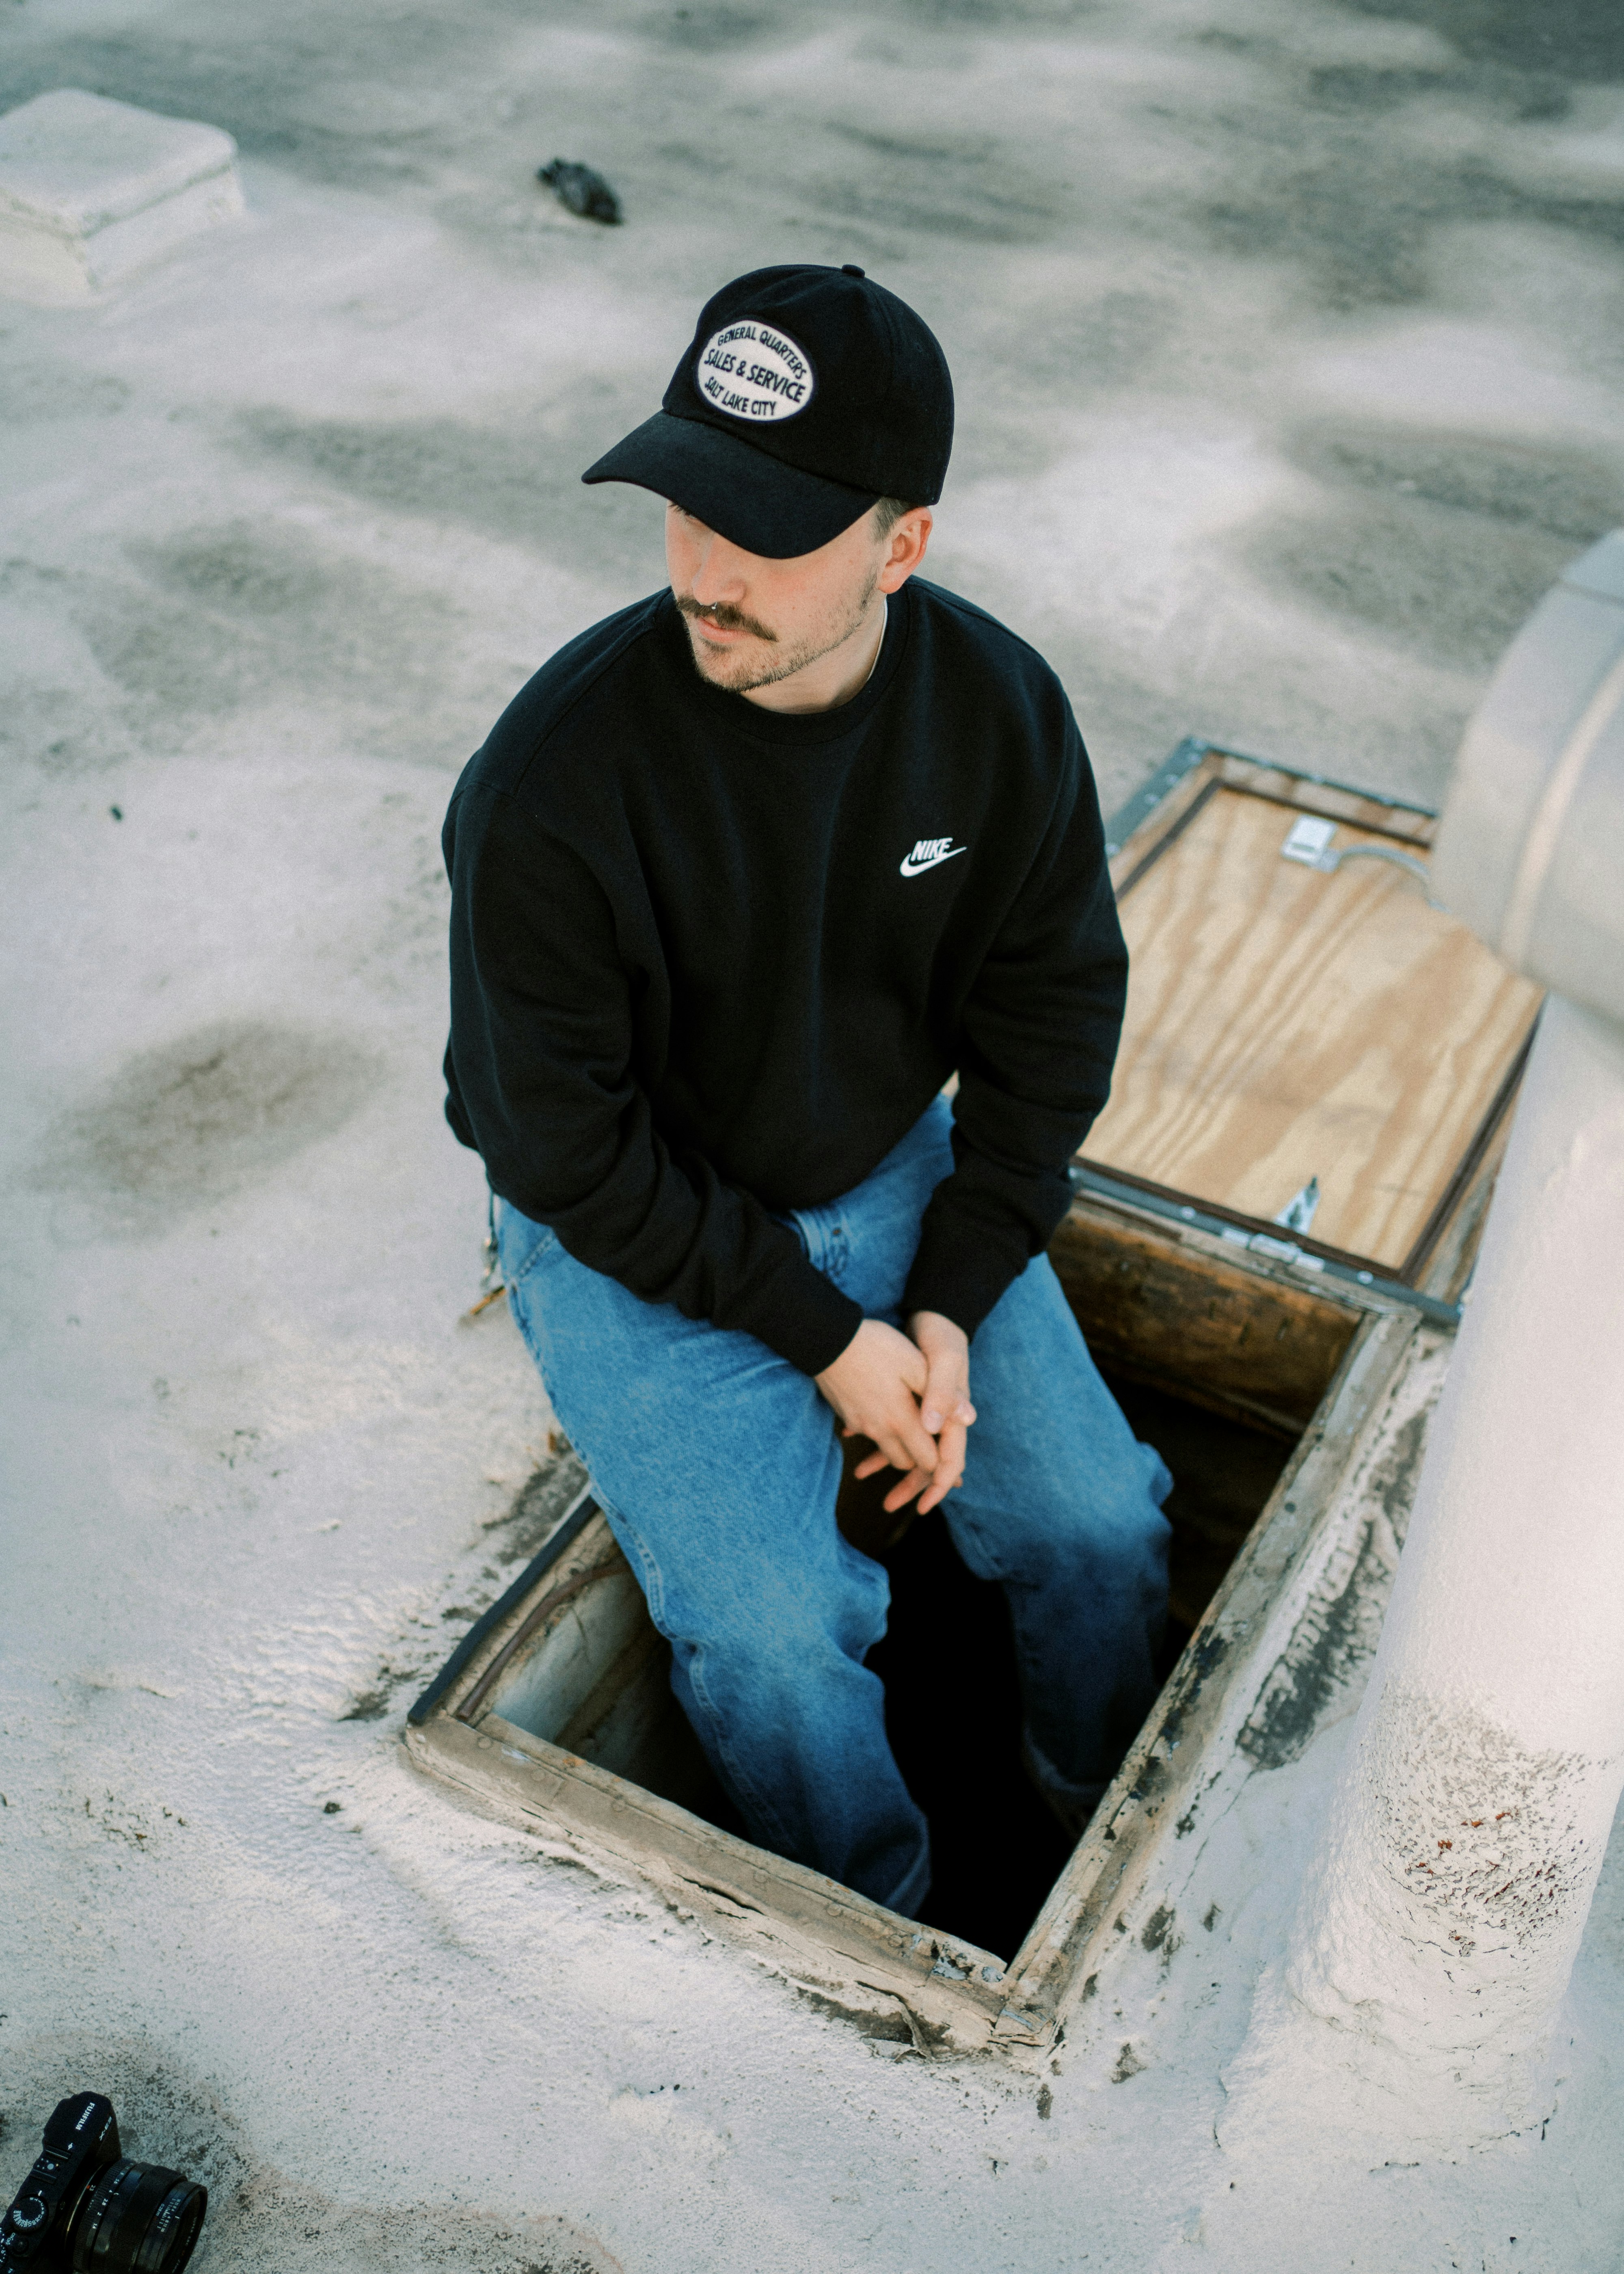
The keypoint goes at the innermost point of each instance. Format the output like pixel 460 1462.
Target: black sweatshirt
pixel 710 962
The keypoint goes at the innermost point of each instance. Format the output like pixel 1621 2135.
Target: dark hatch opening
pixel 952 1696
pixel 1219 1365
pixel 948 1664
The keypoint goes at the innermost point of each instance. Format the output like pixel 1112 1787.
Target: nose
pixel 718 578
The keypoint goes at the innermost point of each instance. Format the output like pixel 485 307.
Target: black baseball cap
pixel 805 396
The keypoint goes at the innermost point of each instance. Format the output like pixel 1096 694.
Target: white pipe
pixel 1440 1921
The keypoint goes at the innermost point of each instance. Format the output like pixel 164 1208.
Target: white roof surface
pixel 288 521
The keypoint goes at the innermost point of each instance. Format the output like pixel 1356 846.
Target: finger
pixel 946 1477
pixel 900 1494
pixel 893 1454
pixel 949 1469
pixel 908 1446
pixel 914 1367
pixel 946 1387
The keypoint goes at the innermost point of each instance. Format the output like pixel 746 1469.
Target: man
pixel 741 878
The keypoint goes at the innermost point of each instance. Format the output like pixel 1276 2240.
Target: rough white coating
pixel 1441 1919
pixel 1273 419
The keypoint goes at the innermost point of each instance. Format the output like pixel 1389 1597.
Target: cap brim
pixel 757 502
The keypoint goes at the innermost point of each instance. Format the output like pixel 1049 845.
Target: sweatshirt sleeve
pixel 1038 1037
pixel 540 1073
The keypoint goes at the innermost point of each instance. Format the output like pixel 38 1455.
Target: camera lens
pixel 138 2218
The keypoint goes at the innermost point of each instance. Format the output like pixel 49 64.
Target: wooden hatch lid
pixel 1295 1029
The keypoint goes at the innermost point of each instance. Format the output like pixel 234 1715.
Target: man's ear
pixel 908 539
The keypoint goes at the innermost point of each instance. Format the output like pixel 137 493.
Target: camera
pixel 86 2207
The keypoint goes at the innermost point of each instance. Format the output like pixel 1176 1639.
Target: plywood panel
pixel 1284 1024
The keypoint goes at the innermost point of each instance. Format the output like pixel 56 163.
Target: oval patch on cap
pixel 754 372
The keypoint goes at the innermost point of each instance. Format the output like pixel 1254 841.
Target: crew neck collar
pixel 791 729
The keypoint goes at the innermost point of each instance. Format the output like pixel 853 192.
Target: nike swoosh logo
pixel 913 867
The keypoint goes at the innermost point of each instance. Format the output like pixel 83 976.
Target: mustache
pixel 732 620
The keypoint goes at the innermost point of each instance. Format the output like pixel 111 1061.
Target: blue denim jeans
pixel 717 1463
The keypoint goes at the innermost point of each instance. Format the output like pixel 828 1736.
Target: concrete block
pixel 91 189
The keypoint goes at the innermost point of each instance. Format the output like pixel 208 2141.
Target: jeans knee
pixel 788 1653
pixel 1135 1548
pixel 1129 1532
pixel 1116 1547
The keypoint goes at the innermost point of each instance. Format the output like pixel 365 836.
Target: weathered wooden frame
pixel 897 1978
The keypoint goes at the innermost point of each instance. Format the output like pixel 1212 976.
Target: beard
pixel 739 670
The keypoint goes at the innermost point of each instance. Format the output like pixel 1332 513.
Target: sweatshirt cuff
pixel 802 1316
pixel 959 1278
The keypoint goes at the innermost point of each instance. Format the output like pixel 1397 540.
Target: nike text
pixel 929 853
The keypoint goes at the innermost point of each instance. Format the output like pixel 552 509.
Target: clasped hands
pixel 911 1394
